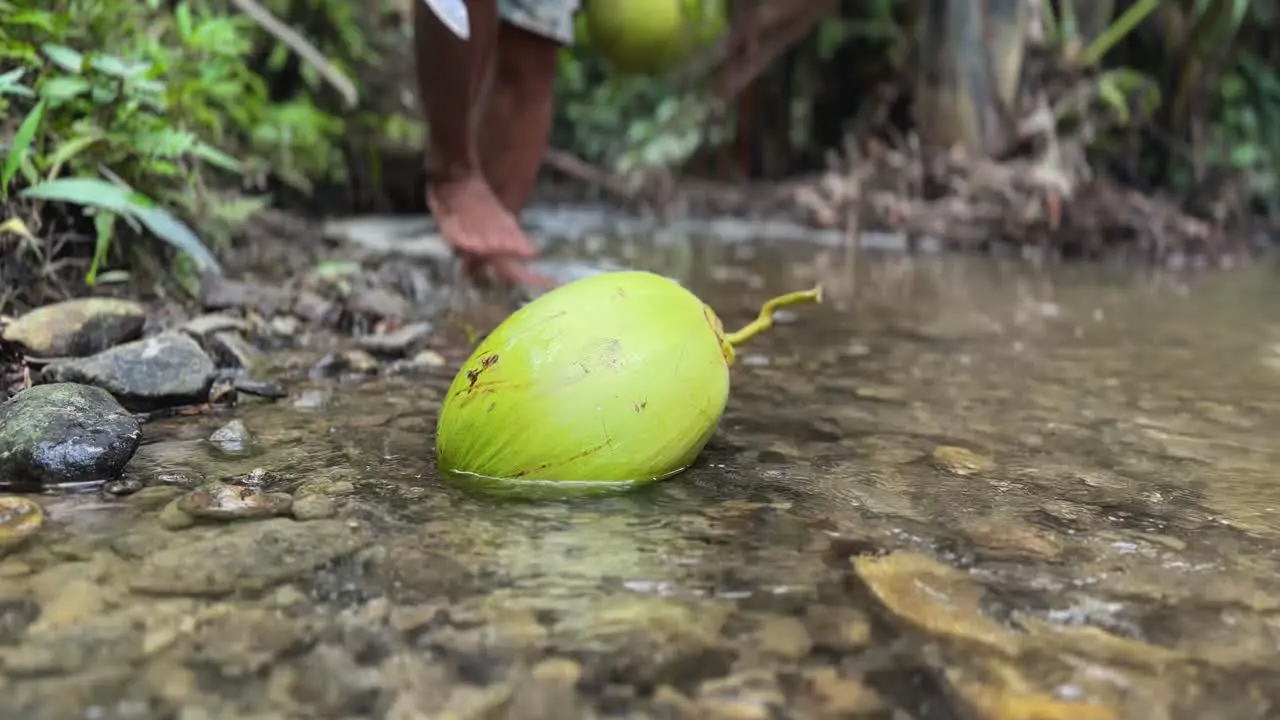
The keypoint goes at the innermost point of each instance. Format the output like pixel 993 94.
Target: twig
pixel 299 45
pixel 583 171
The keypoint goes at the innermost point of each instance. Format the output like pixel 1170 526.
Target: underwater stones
pixel 248 556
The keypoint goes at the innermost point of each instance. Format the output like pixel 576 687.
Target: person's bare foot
pixel 483 233
pixel 473 222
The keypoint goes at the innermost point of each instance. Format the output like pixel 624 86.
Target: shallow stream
pixel 960 488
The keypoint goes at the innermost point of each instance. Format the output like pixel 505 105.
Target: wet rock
pixel 232 438
pixel 651 640
pixel 64 433
pixel 1070 515
pixel 220 501
pixel 313 399
pixel 172 517
pixel 270 389
pixel 112 639
pixel 671 704
pixel 312 307
pixel 76 328
pixel 242 641
pixel 960 461
pixel 359 362
pixel 232 350
pixel 20 518
pixel 205 325
pixel 1012 540
pixel 161 371
pixel 123 486
pixel 840 697
pixel 548 692
pixel 221 293
pixel 332 684
pixel 998 691
pixel 156 496
pixel 378 303
pixel 314 507
pixel 783 637
pixel 259 478
pixel 417 569
pixel 927 596
pixel 187 479
pixel 752 695
pixel 482 646
pixel 397 343
pixel 330 486
pixel 250 556
pixel 838 628
pixel 428 359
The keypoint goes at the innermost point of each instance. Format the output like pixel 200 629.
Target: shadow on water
pixel 959 488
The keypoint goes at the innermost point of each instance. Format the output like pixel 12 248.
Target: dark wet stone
pixel 218 501
pixel 270 389
pixel 378 303
pixel 230 349
pixel 123 486
pixel 397 343
pixel 161 371
pixel 221 293
pixel 64 433
pixel 247 557
pixel 76 328
pixel 232 438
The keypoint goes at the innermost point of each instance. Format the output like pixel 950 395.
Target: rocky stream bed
pixel 961 488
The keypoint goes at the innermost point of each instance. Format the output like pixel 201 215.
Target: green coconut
pixel 651 36
pixel 619 377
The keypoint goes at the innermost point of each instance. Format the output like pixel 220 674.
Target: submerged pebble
pixel 20 518
pixel 220 501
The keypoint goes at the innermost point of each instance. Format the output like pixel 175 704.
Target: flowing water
pixel 960 488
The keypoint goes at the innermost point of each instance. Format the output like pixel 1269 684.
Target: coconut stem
pixel 764 320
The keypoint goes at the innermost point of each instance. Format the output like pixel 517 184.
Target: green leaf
pixel 104 223
pixel 69 149
pixel 21 146
pixel 64 57
pixel 107 196
pixel 217 158
pixel 61 88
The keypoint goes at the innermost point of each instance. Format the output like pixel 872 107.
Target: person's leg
pixel 516 125
pixel 454 76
